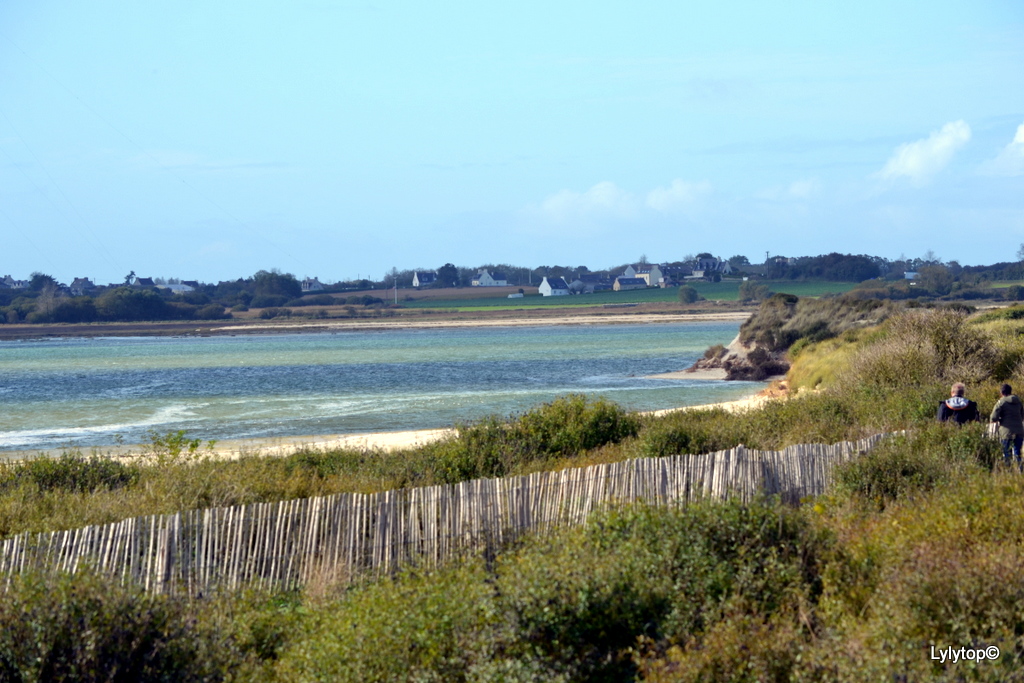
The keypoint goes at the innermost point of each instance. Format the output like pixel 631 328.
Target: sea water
pixel 79 392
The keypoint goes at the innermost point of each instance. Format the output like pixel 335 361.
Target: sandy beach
pixel 382 441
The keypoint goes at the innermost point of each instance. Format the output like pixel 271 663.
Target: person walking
pixel 1009 415
pixel 957 408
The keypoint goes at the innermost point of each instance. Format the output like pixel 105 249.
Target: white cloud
pixel 605 199
pixel 678 193
pixel 1010 161
pixel 798 189
pixel 922 159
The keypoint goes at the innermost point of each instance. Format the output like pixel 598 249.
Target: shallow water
pixel 97 392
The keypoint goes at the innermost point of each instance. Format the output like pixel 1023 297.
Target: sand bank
pixel 408 323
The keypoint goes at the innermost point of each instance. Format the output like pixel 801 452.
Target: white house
pixel 486 279
pixel 423 279
pixel 651 274
pixel 555 286
pixel 312 284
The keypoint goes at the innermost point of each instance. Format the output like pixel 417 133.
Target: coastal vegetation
pixel 917 547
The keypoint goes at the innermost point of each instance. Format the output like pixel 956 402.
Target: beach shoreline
pixel 230 449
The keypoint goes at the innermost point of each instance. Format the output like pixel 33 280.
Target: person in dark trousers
pixel 1009 415
pixel 958 409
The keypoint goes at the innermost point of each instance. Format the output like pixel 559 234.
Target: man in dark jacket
pixel 958 409
pixel 1009 415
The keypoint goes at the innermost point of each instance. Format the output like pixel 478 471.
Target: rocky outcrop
pixel 743 361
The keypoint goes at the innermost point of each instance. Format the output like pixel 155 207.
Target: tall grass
pixel 919 545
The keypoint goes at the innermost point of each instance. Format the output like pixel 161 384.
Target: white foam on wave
pixel 29 438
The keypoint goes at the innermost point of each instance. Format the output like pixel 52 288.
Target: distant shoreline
pixel 440 321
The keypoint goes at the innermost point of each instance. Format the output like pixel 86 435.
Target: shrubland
pixel 918 545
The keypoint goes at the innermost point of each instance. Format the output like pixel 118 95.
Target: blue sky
pixel 210 140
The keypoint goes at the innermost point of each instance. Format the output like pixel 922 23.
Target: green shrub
pixel 716 351
pixel 211 312
pixel 688 295
pixel 269 313
pixel 902 465
pixel 691 431
pixel 423 627
pixel 84 628
pixel 567 426
pixel 752 291
pixel 70 472
pixel 268 301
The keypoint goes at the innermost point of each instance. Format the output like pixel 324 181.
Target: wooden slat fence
pixel 343 536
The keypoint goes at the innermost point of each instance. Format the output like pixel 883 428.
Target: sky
pixel 207 141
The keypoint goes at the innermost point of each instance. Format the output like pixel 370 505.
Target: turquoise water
pixel 97 392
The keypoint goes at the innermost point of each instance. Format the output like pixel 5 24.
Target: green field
pixel 717 291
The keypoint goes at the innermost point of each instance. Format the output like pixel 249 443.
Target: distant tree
pixel 704 254
pixel 739 260
pixel 39 281
pixel 448 276
pixel 688 295
pixel 46 300
pixel 124 303
pixel 643 260
pixel 81 309
pixel 276 283
pixel 1020 253
pixel 129 278
pixel 936 279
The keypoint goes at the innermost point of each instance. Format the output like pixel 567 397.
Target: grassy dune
pixel 919 545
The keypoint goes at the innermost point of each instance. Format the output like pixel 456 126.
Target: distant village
pixel 551 281
pixel 41 298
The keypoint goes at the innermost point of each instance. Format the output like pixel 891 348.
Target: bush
pixel 716 351
pixel 84 628
pixel 81 309
pixel 691 431
pixel 268 313
pixel 930 456
pixel 268 301
pixel 211 312
pixel 752 291
pixel 70 472
pixel 567 426
pixel 688 295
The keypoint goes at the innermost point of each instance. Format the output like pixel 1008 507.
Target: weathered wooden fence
pixel 343 536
